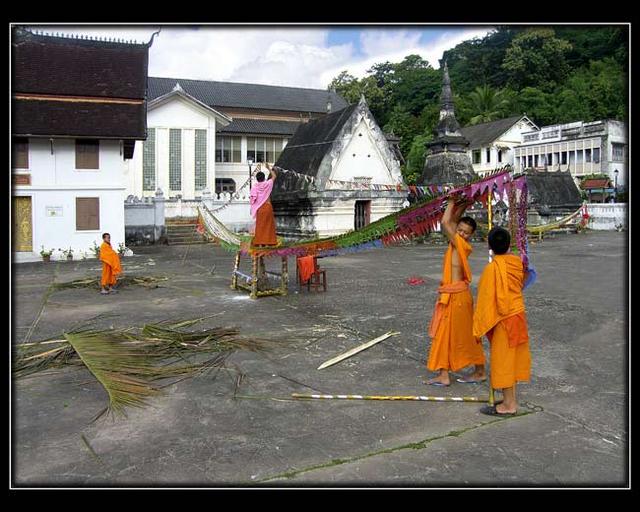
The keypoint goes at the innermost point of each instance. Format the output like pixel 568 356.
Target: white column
pixel 162 160
pixel 211 156
pixel 188 164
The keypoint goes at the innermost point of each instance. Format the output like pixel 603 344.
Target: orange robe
pixel 501 316
pixel 306 267
pixel 453 345
pixel 110 265
pixel 265 226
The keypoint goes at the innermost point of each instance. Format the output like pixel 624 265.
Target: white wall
pixel 340 218
pixel 367 160
pixel 57 183
pixel 607 216
pixel 180 114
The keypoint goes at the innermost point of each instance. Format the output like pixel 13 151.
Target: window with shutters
pixel 201 160
pixel 149 161
pixel 20 153
pixel 264 149
pixel 617 152
pixel 175 159
pixel 87 154
pixel 228 149
pixel 87 213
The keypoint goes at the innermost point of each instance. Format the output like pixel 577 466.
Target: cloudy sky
pixel 297 56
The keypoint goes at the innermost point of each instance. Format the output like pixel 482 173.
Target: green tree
pixel 347 86
pixel 536 104
pixel 536 58
pixel 487 104
pixel 416 158
pixel 414 84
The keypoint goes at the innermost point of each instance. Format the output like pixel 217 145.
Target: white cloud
pixel 296 56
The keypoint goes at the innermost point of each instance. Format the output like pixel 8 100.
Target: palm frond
pixel 126 362
pixel 119 366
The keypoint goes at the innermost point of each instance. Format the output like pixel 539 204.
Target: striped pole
pixel 392 397
pixel 489 212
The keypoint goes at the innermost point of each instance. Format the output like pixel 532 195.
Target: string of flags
pixel 418 191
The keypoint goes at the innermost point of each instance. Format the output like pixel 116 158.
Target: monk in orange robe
pixel 453 345
pixel 262 210
pixel 501 316
pixel 110 265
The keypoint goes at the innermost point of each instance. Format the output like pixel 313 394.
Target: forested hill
pixel 554 74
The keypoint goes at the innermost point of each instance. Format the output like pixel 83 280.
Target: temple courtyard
pixel 239 426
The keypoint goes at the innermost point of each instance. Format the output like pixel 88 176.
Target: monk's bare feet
pixel 501 408
pixel 441 380
pixel 474 378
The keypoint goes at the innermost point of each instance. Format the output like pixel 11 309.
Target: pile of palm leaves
pixel 94 282
pixel 128 363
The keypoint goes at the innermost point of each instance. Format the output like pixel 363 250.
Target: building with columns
pixel 598 147
pixel 203 135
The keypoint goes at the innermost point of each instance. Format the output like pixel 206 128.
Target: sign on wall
pixel 54 211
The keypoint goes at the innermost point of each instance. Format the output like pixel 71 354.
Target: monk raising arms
pixel 453 345
pixel 262 210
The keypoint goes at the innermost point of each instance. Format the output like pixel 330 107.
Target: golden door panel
pixel 22 232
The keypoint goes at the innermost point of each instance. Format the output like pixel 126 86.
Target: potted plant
pixel 96 249
pixel 46 254
pixel 122 249
pixel 68 253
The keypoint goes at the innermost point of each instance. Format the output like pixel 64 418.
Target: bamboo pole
pixel 357 349
pixel 234 276
pixel 489 212
pixel 391 397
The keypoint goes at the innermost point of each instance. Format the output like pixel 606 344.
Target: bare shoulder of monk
pixel 456 270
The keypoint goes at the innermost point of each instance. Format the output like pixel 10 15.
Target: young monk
pixel 500 315
pixel 453 345
pixel 261 209
pixel 110 265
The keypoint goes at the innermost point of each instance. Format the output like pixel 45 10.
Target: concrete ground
pixel 573 430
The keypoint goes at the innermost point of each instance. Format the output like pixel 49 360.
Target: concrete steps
pixel 182 231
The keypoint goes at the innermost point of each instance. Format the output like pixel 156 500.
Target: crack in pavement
pixel 415 446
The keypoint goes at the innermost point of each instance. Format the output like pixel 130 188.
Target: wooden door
pixel 22 228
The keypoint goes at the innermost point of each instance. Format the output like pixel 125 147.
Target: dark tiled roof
pixel 237 95
pixel 552 189
pixel 261 126
pixel 76 67
pixel 596 183
pixel 306 149
pixel 483 134
pixel 57 118
pixel 60 66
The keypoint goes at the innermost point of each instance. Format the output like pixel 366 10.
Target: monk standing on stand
pixel 262 210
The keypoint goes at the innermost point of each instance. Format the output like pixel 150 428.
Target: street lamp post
pixel 250 162
pixel 615 187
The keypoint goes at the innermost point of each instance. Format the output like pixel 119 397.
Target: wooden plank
pixel 357 349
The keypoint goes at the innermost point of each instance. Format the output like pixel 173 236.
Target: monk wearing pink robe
pixel 262 210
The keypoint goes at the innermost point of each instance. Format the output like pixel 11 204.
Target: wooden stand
pixel 259 273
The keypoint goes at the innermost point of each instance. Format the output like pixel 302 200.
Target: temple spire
pixel 448 125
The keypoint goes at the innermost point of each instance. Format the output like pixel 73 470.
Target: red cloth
pixel 306 267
